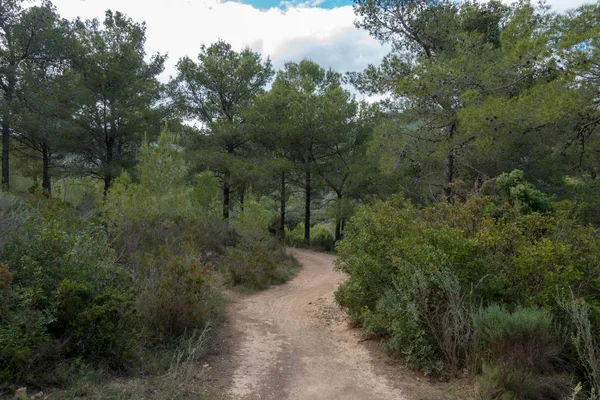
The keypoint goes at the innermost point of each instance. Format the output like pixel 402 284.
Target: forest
pixel 460 194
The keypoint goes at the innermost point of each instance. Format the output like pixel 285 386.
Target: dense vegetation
pixel 124 287
pixel 467 199
pixel 489 284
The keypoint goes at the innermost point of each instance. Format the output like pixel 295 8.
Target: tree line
pixel 470 90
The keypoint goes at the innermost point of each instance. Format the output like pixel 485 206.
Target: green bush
pixel 503 382
pixel 579 331
pixel 414 273
pixel 82 292
pixel 11 217
pixel 522 194
pixel 521 354
pixel 62 296
pixel 165 236
pixel 182 298
pixel 321 236
pixel 257 261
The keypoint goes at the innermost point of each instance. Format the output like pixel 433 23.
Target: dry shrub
pixel 582 339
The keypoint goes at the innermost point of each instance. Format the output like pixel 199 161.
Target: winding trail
pixel 293 342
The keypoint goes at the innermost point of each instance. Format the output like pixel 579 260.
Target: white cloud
pixel 556 5
pixel 564 5
pixel 180 27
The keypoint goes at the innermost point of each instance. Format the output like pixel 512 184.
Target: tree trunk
pixel 5 153
pixel 338 218
pixel 449 169
pixel 242 196
pixel 46 183
pixel 107 183
pixel 226 195
pixel 109 141
pixel 449 177
pixel 282 208
pixel 8 96
pixel 227 186
pixel 307 189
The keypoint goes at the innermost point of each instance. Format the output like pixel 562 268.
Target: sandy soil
pixel 292 342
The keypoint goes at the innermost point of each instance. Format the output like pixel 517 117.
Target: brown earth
pixel 293 342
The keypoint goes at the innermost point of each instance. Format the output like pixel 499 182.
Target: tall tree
pixel 26 36
pixel 45 118
pixel 119 95
pixel 343 169
pixel 312 105
pixel 269 126
pixel 44 101
pixel 580 49
pixel 448 57
pixel 544 117
pixel 216 90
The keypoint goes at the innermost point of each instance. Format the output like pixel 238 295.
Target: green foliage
pixel 217 90
pixel 31 38
pixel 321 236
pixel 259 267
pixel 311 128
pixel 416 272
pixel 257 261
pixel 495 324
pixel 185 297
pixel 116 95
pixel 63 296
pixel 163 239
pixel 502 382
pixel 473 89
pixel 581 324
pixel 522 194
pixel 521 353
pixel 477 89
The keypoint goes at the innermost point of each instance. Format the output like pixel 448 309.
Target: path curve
pixel 293 342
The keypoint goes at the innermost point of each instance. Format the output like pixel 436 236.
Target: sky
pixel 284 30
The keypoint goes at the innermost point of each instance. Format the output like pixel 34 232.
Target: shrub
pixel 415 272
pixel 321 236
pixel 581 337
pixel 11 217
pixel 165 237
pixel 182 298
pixel 257 261
pixel 521 354
pixel 97 324
pixel 62 296
pixel 522 194
pixel 405 292
pixel 506 382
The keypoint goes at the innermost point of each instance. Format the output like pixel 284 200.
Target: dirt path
pixel 292 342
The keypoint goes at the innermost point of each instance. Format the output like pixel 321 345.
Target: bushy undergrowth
pixel 116 289
pixel 417 274
pixel 580 336
pixel 257 261
pixel 61 295
pixel 321 236
pixel 521 354
pixel 164 239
